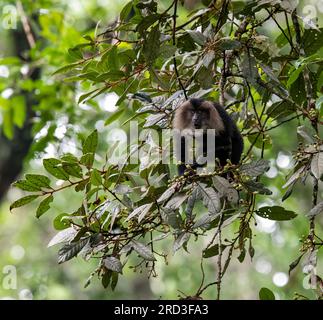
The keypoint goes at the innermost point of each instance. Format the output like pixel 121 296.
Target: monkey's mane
pixel 183 118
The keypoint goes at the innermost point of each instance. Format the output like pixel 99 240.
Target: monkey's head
pixel 197 114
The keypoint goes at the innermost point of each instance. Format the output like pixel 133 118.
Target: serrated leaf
pixel 44 206
pixel 181 240
pixel 113 264
pixel 316 210
pixel 141 211
pixel 23 201
pixel 275 213
pixel 143 250
pixel 70 250
pixel 54 167
pixel 317 165
pixel 91 142
pixel 63 236
pixel 266 294
pixel 255 168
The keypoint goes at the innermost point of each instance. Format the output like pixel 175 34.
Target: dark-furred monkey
pixel 197 115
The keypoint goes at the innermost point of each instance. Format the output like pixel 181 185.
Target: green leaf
pixel 106 279
pixel 87 160
pixel 181 240
pixel 167 194
pixel 295 263
pixel 257 187
pixel 255 168
pixel 60 222
pixel 26 186
pixel 276 213
pixel 146 22
pixel 266 294
pixel 88 94
pixel 211 200
pixel 23 201
pixel 90 143
pixel 63 236
pixel 197 37
pixel 66 68
pixel 229 44
pixel 176 201
pixel 312 40
pixel 19 110
pixel 212 251
pixel 249 69
pixel 44 206
pixel 294 75
pixel 167 51
pixel 151 45
pixel 96 178
pixel 70 250
pixel 115 116
pixel 10 61
pixel 141 212
pixel 73 169
pixel 317 165
pixel 114 280
pixel 126 11
pixel 38 180
pixel 54 167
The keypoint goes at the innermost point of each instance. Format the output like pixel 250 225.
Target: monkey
pixel 198 115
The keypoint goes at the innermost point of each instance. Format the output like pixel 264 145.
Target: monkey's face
pixel 194 116
pixel 199 118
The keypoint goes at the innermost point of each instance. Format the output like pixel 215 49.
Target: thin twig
pixel 174 43
pixel 26 25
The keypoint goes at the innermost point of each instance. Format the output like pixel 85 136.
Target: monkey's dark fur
pixel 202 114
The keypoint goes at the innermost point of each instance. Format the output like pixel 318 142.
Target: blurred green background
pixel 24 239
